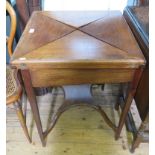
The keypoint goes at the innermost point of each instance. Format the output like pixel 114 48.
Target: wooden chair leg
pixel 118 98
pixel 24 101
pixel 21 118
pixel 139 137
pixel 135 144
pixel 117 104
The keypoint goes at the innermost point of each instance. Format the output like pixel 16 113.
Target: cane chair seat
pixel 13 89
pixel 10 83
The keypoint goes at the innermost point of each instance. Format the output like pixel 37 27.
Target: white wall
pixel 85 4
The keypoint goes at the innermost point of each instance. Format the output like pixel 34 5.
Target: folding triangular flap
pixel 114 30
pixel 77 46
pixel 40 31
pixel 76 18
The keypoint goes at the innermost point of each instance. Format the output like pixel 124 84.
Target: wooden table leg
pixel 33 102
pixel 129 97
pixel 135 144
pixel 21 118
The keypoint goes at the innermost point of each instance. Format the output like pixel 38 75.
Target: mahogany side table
pixel 76 48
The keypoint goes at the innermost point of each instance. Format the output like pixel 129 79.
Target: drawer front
pixel 59 77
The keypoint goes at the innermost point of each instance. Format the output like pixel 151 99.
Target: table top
pixel 78 39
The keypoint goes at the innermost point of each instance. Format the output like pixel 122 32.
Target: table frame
pixel 133 83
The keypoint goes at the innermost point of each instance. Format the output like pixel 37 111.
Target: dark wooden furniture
pixel 142 134
pixel 13 87
pixel 76 48
pixel 23 13
pixel 25 9
pixel 138 20
pixel 142 2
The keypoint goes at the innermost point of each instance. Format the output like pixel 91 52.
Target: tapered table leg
pixel 22 120
pixel 135 144
pixel 33 102
pixel 130 95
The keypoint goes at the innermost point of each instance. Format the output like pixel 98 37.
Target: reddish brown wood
pixel 23 13
pixel 34 5
pixel 58 77
pixel 129 97
pixel 138 20
pixel 142 95
pixel 33 102
pixel 113 30
pixel 25 9
pixel 37 39
pixel 54 43
pixel 66 48
pixel 143 2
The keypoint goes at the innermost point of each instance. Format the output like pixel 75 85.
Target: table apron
pixel 59 77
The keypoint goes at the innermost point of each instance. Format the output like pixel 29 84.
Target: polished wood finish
pixel 34 39
pixel 76 19
pixel 138 20
pixel 59 50
pixel 140 30
pixel 67 45
pixel 58 77
pixel 10 39
pixel 113 30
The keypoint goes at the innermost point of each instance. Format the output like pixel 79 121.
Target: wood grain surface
pixel 53 52
pixel 98 37
pixel 59 77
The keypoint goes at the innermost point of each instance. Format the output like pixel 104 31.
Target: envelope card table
pixel 75 49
